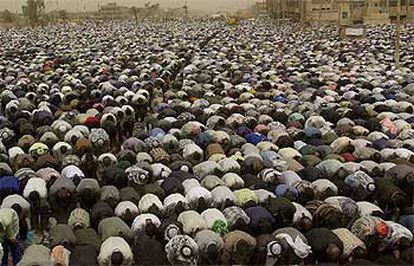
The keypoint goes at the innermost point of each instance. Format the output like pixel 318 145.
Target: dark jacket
pixel 62 234
pixel 282 209
pixel 148 251
pixel 87 237
pixel 172 185
pixel 261 220
pixel 389 195
pixel 319 239
pixel 129 194
pixel 84 255
pixel 100 211
pixel 402 175
pixel 115 176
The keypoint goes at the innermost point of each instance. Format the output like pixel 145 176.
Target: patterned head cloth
pixel 182 250
pixel 368 226
pixel 220 227
pixel 396 233
pixel 138 175
pixel 349 240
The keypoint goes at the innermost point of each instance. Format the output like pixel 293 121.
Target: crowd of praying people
pixel 195 142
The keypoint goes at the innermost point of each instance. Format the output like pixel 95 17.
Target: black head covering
pixel 282 209
pixel 320 239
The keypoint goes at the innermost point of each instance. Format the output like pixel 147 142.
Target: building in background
pixel 328 11
pixel 114 11
pixel 321 11
pixel 260 7
pixel 407 9
pixel 282 9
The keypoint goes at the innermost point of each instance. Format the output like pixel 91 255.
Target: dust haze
pixel 89 5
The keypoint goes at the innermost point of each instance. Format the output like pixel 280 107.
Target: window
pixel 344 15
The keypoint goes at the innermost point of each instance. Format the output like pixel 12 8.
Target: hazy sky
pixel 73 5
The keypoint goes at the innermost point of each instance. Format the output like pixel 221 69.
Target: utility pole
pixel 302 11
pixel 77 10
pixel 58 10
pixel 340 8
pixel 134 9
pixel 278 8
pixel 398 35
pixel 84 10
pixel 186 10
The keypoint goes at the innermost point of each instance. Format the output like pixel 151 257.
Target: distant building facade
pixel 321 10
pixel 282 9
pixel 114 11
pixel 328 11
pixel 260 7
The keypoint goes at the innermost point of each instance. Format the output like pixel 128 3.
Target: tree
pixel 33 10
pixel 8 16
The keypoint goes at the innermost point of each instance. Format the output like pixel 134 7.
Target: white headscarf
pixel 301 249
